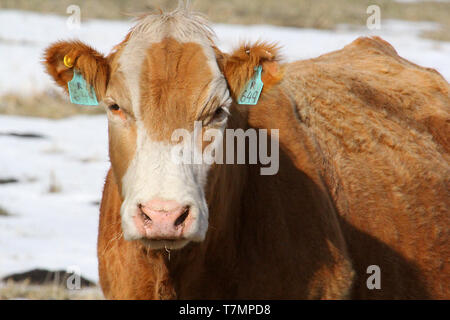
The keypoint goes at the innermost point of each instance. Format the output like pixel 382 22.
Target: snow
pixel 59 230
pixel 51 230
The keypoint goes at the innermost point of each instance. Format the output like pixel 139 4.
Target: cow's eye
pixel 117 111
pixel 114 108
pixel 220 114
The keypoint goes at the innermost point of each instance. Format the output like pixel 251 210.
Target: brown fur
pixel 364 179
pixel 93 66
pixel 361 182
pixel 122 138
pixel 175 81
pixel 240 66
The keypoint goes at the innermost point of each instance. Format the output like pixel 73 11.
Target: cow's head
pixel 165 75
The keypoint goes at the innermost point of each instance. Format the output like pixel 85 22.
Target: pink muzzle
pixel 162 219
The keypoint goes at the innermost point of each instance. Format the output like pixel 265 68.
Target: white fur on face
pixel 152 173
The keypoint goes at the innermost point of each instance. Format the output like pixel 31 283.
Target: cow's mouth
pixel 167 244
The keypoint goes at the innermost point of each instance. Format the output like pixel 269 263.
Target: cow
pixel 359 205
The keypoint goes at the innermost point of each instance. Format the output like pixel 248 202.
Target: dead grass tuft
pixel 4 213
pixel 55 186
pixel 48 105
pixel 23 290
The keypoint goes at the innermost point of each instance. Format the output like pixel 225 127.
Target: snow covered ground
pixel 58 230
pixel 53 230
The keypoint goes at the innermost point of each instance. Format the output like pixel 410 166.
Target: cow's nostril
pixel 182 217
pixel 143 214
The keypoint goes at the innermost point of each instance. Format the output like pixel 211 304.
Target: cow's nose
pixel 162 219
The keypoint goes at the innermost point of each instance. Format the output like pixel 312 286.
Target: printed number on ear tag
pixel 252 89
pixel 80 92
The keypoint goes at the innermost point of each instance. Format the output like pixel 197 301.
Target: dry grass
pixel 55 186
pixel 322 14
pixel 49 105
pixel 3 212
pixel 442 34
pixel 23 290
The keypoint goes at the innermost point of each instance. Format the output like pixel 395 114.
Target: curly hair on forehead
pixel 182 23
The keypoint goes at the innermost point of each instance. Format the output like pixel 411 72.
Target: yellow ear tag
pixel 68 62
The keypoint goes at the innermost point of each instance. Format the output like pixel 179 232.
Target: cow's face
pixel 156 89
pixel 165 76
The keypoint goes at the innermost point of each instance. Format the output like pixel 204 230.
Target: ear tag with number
pixel 80 92
pixel 253 89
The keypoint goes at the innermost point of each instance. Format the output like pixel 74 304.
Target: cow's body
pixel 363 180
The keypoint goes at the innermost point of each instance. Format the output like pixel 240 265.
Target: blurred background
pixel 53 157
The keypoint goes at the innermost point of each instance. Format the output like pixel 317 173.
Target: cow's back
pixel 381 124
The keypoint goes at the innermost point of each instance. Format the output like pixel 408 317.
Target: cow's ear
pixel 61 58
pixel 239 67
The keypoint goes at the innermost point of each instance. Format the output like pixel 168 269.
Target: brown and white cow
pixel 363 169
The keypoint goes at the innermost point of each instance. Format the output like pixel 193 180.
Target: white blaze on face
pixel 152 173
